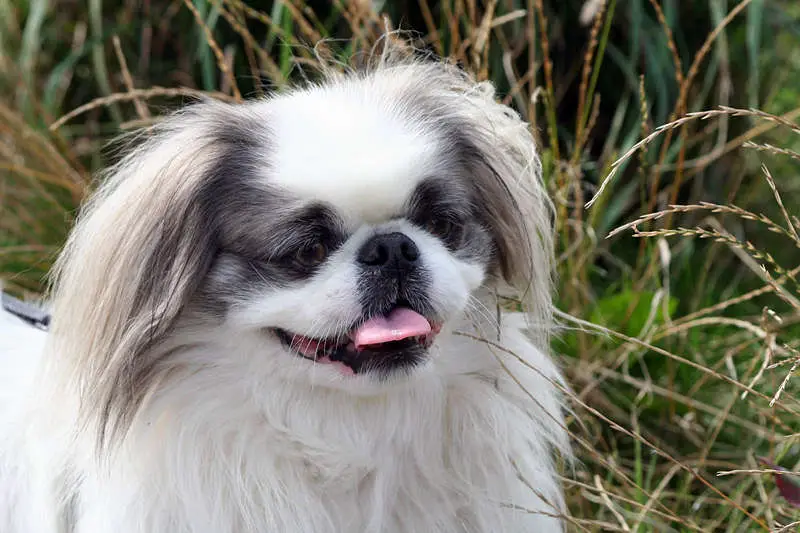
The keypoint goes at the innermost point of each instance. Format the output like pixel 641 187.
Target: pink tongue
pixel 401 323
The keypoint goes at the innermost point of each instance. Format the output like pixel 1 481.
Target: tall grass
pixel 679 302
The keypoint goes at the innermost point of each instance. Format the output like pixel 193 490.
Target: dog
pixel 323 311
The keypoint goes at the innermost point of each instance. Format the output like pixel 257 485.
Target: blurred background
pixel 678 289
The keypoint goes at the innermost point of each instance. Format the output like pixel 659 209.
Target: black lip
pixel 384 360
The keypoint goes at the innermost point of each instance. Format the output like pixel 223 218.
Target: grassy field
pixel 678 297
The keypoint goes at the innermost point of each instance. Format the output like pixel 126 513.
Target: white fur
pixel 372 135
pixel 235 434
pixel 214 457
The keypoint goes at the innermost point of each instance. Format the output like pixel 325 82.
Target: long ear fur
pixel 139 250
pixel 508 176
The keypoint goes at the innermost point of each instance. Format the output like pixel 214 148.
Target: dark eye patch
pixel 302 243
pixel 259 231
pixel 263 251
pixel 446 208
pixel 443 208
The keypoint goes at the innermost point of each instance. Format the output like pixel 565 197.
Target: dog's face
pixel 337 232
pixel 347 230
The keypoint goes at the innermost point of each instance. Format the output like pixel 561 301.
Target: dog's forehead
pixel 351 150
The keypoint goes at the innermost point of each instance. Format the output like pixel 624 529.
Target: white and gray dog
pixel 286 316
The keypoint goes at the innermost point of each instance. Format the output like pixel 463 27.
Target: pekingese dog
pixel 290 316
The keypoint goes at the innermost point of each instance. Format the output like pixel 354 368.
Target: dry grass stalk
pixel 305 27
pixel 688 401
pixel 587 70
pixel 609 504
pixel 267 63
pixel 141 109
pixel 688 117
pixel 765 147
pixel 785 381
pixel 699 164
pixel 548 75
pixel 779 201
pixel 712 208
pixel 680 107
pixel 646 509
pixel 262 18
pixel 716 236
pixel 769 350
pixel 757 471
pixel 152 92
pixel 212 43
pixel 675 357
pixel 787 527
pixel 783 121
pixel 676 58
pixel 433 31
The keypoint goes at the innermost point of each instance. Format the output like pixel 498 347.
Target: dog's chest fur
pixel 432 460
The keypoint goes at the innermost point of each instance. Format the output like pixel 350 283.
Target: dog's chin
pixel 382 348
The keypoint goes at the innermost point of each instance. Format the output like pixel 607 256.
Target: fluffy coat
pixel 157 403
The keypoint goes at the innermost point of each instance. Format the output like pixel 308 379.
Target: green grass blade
pixel 31 42
pixel 755 21
pixel 208 65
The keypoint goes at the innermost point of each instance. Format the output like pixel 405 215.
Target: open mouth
pixel 398 340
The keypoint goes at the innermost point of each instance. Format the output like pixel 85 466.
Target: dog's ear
pixel 509 208
pixel 501 154
pixel 514 204
pixel 141 247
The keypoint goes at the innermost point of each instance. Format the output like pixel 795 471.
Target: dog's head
pixel 347 223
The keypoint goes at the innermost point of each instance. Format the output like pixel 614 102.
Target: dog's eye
pixel 440 227
pixel 446 229
pixel 312 254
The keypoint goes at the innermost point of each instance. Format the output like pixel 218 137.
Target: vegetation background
pixel 678 296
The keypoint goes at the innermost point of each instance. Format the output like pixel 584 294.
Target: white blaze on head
pixel 350 150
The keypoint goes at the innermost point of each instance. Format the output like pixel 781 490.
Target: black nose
pixel 395 250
